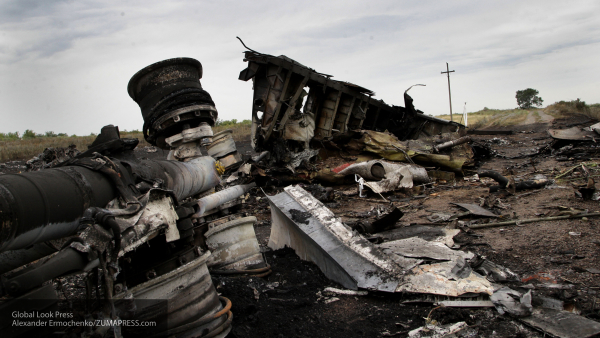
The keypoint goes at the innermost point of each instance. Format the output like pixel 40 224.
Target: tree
pixel 28 134
pixel 528 98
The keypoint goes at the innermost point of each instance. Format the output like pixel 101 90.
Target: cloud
pixel 66 64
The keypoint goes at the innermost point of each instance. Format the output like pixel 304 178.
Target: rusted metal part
pixel 171 97
pixel 303 223
pixel 190 299
pixel 223 149
pixel 231 161
pixel 336 106
pixel 234 245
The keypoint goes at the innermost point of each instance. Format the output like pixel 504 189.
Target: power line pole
pixel 448 71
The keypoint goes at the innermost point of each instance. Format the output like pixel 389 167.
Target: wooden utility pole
pixel 448 71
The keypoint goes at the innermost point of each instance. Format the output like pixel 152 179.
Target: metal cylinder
pixel 212 201
pixel 371 170
pixel 11 260
pixel 170 97
pixel 44 205
pixel 184 178
pixel 234 245
pixel 452 143
pixel 178 298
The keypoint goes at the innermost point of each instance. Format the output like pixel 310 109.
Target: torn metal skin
pixel 283 124
pixel 303 223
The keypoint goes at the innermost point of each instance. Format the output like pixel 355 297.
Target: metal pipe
pixel 186 179
pixel 11 260
pixel 45 205
pixel 223 196
pixel 452 143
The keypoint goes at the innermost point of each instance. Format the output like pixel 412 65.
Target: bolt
pixel 150 274
pixel 118 288
pixel 13 286
pixel 182 260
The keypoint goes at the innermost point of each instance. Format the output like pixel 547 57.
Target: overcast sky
pixel 65 65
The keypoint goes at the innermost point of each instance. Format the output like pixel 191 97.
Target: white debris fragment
pixel 346 292
pixel 434 331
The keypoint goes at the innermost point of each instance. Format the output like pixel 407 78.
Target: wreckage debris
pixel 51 157
pixel 234 247
pixel 391 257
pixel 304 224
pixel 532 220
pixel 282 124
pixel 505 183
pixel 223 149
pixel 349 259
pixel 510 301
pixel 562 324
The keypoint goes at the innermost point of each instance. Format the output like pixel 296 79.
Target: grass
pixel 564 109
pixel 241 131
pixel 490 117
pixel 15 148
pixel 22 149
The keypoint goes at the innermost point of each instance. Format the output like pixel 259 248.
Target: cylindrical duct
pixel 170 97
pixel 11 260
pixel 212 201
pixel 44 205
pixel 183 301
pixel 234 245
pixel 184 178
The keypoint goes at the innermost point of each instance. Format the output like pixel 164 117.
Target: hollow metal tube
pixel 223 196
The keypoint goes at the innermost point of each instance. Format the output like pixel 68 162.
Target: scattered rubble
pixel 52 157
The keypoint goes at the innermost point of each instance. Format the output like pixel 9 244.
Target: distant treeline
pixel 30 134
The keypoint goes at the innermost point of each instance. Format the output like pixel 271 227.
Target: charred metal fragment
pixel 331 107
pixel 505 182
pixel 171 98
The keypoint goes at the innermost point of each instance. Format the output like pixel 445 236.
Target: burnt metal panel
pixel 279 80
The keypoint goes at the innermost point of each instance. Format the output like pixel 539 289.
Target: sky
pixel 65 65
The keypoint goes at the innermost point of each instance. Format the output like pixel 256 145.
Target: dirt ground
pixel 544 255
